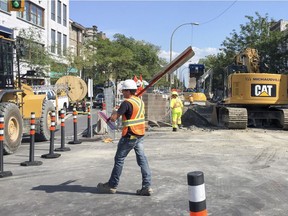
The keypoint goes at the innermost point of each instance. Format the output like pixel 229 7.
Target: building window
pixel 25 14
pixel 64 44
pixel 29 49
pixel 40 15
pixel 4 5
pixel 33 14
pixel 59 44
pixel 64 15
pixel 59 12
pixel 53 43
pixel 53 10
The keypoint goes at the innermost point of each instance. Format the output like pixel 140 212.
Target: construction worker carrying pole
pixel 133 121
pixel 132 112
pixel 176 106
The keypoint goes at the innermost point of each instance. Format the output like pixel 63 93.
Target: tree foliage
pixel 122 58
pixel 32 51
pixel 254 34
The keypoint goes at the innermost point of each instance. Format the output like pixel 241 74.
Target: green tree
pixel 217 63
pixel 32 51
pixel 255 34
pixel 122 58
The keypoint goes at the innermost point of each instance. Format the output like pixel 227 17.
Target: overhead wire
pixel 219 15
pixel 223 12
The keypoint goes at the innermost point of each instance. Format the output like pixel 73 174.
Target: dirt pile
pixel 192 118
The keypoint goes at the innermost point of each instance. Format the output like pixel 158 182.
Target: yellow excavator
pixel 251 96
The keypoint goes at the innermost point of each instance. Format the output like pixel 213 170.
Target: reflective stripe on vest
pixel 133 122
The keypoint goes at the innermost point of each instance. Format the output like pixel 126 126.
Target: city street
pixel 245 174
pixel 197 64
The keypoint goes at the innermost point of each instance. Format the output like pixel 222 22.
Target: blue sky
pixel 155 21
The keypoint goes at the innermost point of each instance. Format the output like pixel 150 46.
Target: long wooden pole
pixel 170 68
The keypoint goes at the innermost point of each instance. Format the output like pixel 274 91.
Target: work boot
pixel 105 188
pixel 174 129
pixel 180 126
pixel 144 191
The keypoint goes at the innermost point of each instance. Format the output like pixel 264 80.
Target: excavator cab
pixel 196 70
pixel 198 96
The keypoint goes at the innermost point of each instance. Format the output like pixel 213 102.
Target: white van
pixel 59 102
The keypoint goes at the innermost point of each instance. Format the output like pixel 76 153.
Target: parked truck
pixel 67 92
pixel 60 101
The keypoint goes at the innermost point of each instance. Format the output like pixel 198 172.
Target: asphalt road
pixel 245 174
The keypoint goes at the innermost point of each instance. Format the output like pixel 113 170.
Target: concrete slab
pixel 245 174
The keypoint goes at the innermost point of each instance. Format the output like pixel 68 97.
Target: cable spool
pixel 77 88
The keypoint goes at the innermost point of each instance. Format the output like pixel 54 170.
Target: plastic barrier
pixel 75 141
pixel 2 172
pixel 62 148
pixel 51 153
pixel 197 197
pixel 31 161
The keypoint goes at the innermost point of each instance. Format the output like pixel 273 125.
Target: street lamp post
pixel 182 77
pixel 191 23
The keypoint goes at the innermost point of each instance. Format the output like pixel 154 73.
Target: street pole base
pixel 88 134
pixel 5 174
pixel 62 149
pixel 31 163
pixel 50 156
pixel 75 142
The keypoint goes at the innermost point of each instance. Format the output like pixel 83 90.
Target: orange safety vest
pixel 137 120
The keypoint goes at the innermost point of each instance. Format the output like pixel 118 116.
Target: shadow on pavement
pixel 72 188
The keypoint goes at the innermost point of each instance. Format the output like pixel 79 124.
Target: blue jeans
pixel 125 145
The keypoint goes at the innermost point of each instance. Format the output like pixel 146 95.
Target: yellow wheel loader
pixel 251 97
pixel 17 101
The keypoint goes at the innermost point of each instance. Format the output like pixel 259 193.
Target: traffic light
pixel 16 5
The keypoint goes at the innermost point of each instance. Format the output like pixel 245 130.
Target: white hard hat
pixel 129 84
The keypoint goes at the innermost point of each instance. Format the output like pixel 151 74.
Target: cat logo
pixel 263 90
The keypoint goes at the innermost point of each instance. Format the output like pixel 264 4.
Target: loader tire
pixel 13 127
pixel 45 122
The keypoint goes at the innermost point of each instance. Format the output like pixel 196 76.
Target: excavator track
pixel 233 117
pixel 284 119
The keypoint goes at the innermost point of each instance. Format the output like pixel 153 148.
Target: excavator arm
pixel 249 58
